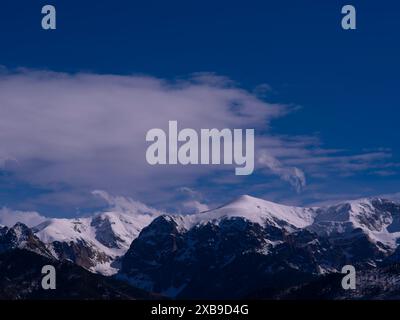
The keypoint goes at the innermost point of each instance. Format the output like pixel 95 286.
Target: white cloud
pixel 10 217
pixel 193 206
pixel 74 133
pixel 124 204
pixel 293 175
pixel 87 131
pixel 391 196
pixel 190 201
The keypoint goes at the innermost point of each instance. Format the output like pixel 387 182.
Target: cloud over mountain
pixel 9 217
pixel 73 133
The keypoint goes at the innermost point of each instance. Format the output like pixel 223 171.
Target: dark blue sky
pixel 297 47
pixel 345 81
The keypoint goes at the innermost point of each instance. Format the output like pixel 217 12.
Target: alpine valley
pixel 247 249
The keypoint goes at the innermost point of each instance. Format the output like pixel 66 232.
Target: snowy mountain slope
pixel 253 209
pixel 374 220
pixel 230 251
pixel 95 242
pixel 262 211
pixel 252 240
pixel 378 219
pixel 358 229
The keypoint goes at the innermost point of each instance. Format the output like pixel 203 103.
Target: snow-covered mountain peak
pixel 20 236
pixel 63 230
pixel 361 213
pixel 118 229
pixel 249 208
pixel 262 211
pixel 100 238
pixel 21 231
pixel 97 242
pixel 123 225
pixel 377 218
pixel 243 199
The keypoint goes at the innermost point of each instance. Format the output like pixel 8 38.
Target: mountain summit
pixel 230 250
pixel 96 242
pixel 246 248
pixel 263 211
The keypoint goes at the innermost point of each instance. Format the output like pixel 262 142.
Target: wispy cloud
pixel 125 204
pixel 9 217
pixel 293 175
pixel 190 201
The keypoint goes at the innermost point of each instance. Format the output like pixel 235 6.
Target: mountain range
pixel 248 248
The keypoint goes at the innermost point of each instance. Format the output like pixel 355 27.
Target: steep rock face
pixel 20 278
pixel 231 251
pixel 223 258
pixel 80 252
pixel 22 256
pixel 21 237
pixel 381 283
